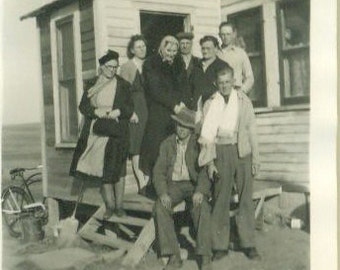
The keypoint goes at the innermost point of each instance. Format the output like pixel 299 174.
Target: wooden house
pixel 75 33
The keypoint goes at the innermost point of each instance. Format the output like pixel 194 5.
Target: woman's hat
pixel 110 55
pixel 185 117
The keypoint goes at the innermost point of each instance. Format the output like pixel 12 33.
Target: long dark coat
pixel 164 88
pixel 116 149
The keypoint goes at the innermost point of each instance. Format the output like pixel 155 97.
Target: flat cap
pixel 185 35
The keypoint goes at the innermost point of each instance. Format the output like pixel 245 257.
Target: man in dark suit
pixel 203 77
pixel 185 47
pixel 177 179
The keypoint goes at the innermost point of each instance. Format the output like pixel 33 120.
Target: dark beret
pixel 110 55
pixel 185 35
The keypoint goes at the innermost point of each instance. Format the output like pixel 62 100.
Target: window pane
pixel 249 31
pixel 296 74
pixel 295 23
pixel 294 58
pixel 68 111
pixel 66 50
pixel 67 81
pixel 258 93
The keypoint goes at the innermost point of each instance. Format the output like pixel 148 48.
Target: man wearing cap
pixel 185 47
pixel 236 57
pixel 176 179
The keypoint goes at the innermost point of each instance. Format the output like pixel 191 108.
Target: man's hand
pixel 179 107
pixel 134 118
pixel 212 170
pixel 166 201
pixel 197 198
pixel 255 168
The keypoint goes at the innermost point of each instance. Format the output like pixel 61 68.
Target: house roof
pixel 46 8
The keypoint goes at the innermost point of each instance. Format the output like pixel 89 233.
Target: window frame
pixel 71 11
pixel 283 51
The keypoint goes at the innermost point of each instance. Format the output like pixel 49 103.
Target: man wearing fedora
pixel 176 176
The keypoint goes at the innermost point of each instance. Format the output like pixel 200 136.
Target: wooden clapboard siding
pixel 87 35
pixel 122 19
pixel 284 146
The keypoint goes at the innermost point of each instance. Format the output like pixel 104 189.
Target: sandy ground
pixel 281 248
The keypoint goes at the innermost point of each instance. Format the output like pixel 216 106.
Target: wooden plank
pixel 284 114
pixel 127 231
pixel 285 167
pixel 105 240
pixel 283 176
pixel 141 246
pixel 87 45
pixel 294 120
pixel 284 157
pixel 279 129
pixel 266 147
pixel 283 138
pixel 87 35
pixel 86 26
pixel 128 220
pixel 121 22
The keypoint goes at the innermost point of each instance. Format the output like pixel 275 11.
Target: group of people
pixel 189 128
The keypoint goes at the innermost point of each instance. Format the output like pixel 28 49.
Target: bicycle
pixel 17 200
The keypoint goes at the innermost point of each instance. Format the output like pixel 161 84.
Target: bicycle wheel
pixel 13 200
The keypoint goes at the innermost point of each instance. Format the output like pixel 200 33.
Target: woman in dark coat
pixel 102 157
pixel 164 94
pixel 132 72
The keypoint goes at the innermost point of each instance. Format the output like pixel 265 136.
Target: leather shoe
pixel 175 262
pixel 252 253
pixel 219 254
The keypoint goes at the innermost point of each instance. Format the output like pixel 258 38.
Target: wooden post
pixel 141 246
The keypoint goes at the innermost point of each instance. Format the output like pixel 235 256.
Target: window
pixel 250 37
pixel 66 71
pixel 293 24
pixel 67 80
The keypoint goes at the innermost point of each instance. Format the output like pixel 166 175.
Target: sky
pixel 21 93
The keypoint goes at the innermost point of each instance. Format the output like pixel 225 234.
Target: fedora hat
pixel 185 117
pixel 185 35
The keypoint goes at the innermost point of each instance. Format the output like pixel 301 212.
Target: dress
pixel 98 157
pixel 163 90
pixel 130 72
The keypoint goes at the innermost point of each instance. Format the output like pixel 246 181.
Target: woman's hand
pixel 114 114
pixel 134 118
pixel 100 112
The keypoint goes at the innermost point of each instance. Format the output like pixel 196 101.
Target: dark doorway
pixel 154 26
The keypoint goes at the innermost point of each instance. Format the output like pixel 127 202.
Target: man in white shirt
pixel 236 57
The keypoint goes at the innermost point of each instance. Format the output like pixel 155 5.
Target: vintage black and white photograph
pixel 156 134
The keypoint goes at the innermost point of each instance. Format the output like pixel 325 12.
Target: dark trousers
pixel 231 168
pixel 164 223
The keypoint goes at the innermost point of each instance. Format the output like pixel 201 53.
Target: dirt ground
pixel 281 247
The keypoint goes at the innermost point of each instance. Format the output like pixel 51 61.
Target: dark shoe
pixel 120 212
pixel 108 213
pixel 206 263
pixel 220 254
pixel 252 253
pixel 175 262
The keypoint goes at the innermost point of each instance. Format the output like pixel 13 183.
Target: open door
pixel 156 25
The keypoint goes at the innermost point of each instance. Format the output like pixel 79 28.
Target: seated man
pixel 176 180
